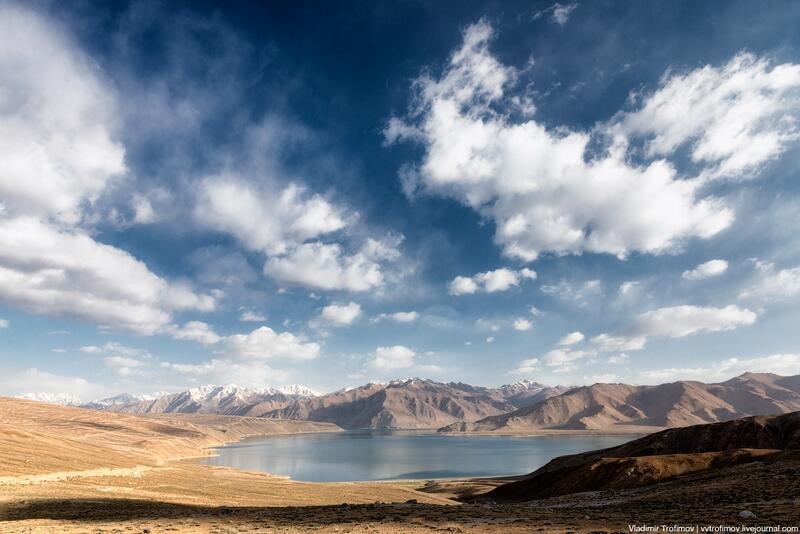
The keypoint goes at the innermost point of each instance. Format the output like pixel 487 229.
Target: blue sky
pixel 266 194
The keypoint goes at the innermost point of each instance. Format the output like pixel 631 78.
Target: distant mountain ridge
pixel 522 407
pixel 212 399
pixel 405 403
pixel 622 406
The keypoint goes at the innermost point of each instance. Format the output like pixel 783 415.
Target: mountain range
pixel 522 407
pixel 626 407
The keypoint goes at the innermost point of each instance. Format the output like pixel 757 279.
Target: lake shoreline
pixel 387 456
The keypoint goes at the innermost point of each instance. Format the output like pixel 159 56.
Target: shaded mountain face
pixel 717 447
pixel 621 406
pixel 411 404
pixel 227 400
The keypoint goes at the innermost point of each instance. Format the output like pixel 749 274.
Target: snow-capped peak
pixel 64 399
pixel 297 390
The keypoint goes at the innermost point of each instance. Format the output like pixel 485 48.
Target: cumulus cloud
pixel 123 365
pixel 781 364
pixel 58 153
pixel 114 348
pixel 528 366
pixel 197 331
pixel 490 281
pixel 47 270
pixel 618 358
pixel 249 316
pixel 563 356
pixel 265 344
pixel 399 317
pixel 33 381
pixel 286 224
pixel 57 124
pixel 681 321
pixel 394 357
pixel 734 117
pixel 327 266
pixel 706 270
pixel 609 343
pixel 223 371
pixel 545 192
pixel 339 314
pixel 3 323
pixel 774 286
pixel 266 220
pixel 675 322
pixel 571 339
pixel 559 13
pixel 576 293
pixel 521 324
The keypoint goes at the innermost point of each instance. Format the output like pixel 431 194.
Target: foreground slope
pixel 39 439
pixel 662 456
pixel 625 407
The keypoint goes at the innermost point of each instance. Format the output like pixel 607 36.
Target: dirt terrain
pixel 76 471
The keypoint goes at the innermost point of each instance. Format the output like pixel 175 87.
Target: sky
pixel 330 193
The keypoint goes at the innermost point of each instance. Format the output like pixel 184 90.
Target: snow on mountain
pixel 64 399
pixel 296 390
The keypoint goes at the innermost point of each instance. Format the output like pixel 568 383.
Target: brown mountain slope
pixel 410 404
pixel 662 456
pixel 40 438
pixel 621 406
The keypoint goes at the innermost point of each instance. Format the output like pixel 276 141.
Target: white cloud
pixel 27 381
pixel 707 270
pixel 197 331
pixel 339 314
pixel 395 357
pixel 57 155
pixel 326 266
pixel 490 281
pixel 265 344
pixel 399 317
pixel 537 185
pixel 579 294
pixel 285 224
pixel 117 349
pixel 561 13
pixel 3 323
pixel 675 322
pixel 571 339
pixel 734 117
pixel 681 321
pixel 561 357
pixel 774 286
pixel 57 124
pixel 272 221
pixel 123 365
pixel 527 367
pixel 619 358
pixel 608 343
pixel 249 316
pixel 781 364
pixel 47 270
pixel 521 324
pixel 462 285
pixel 252 374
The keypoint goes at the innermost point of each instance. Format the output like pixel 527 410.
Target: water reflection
pixel 387 455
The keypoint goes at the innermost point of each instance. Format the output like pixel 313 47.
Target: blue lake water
pixel 389 455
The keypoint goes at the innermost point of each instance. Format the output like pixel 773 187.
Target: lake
pixel 390 455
